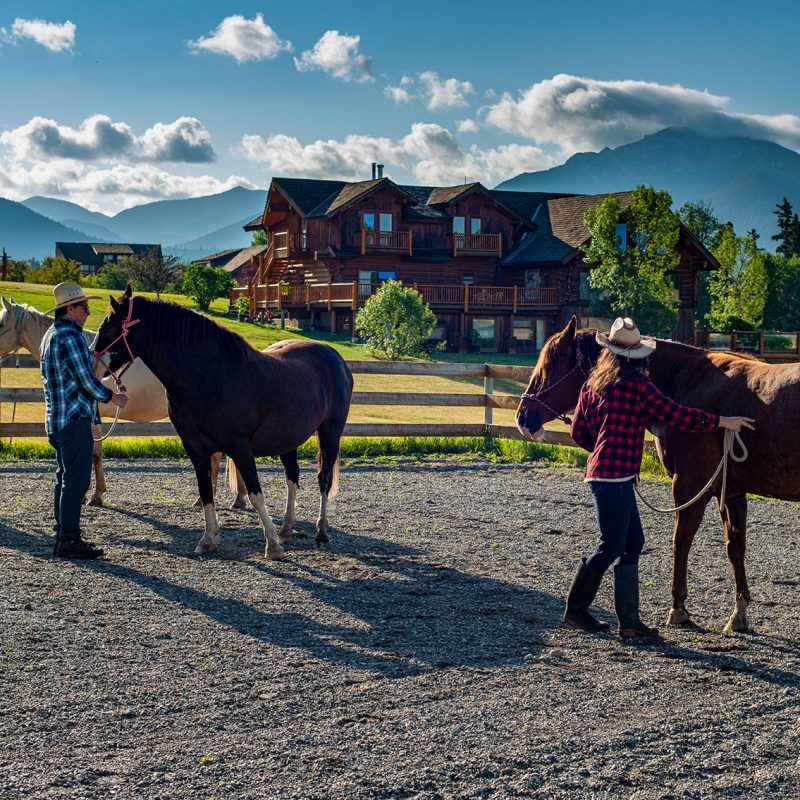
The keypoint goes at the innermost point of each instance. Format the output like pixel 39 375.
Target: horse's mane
pixel 585 343
pixel 182 326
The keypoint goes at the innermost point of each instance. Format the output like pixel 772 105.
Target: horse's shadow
pixel 396 615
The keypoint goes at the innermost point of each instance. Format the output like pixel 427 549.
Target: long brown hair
pixel 611 368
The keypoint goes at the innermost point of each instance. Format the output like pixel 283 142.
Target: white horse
pixel 22 326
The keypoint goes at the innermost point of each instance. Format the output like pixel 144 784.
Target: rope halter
pixel 127 324
pixel 537 397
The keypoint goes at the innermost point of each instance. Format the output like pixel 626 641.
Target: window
pixel 468 279
pixel 483 333
pixel 365 281
pixel 387 276
pixel 304 237
pixel 459 224
pixel 622 237
pixel 376 223
pixel 386 222
pixel 533 279
pixel 523 329
pixel 584 286
pixel 474 224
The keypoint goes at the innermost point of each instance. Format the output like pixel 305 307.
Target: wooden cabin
pixel 501 270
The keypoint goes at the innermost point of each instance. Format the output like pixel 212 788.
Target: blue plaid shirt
pixel 71 390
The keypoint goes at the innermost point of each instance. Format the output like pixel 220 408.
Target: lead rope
pixel 727 450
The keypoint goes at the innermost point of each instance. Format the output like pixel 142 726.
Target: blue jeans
pixel 73 445
pixel 621 534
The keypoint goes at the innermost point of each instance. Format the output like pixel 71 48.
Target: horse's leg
pixel 246 465
pixel 99 475
pixel 215 461
pixel 292 469
pixel 202 469
pixel 686 524
pixel 734 520
pixel 329 434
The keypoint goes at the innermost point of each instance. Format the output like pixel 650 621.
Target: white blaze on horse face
pixel 273 550
pixel 209 541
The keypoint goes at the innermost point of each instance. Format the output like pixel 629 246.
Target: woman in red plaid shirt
pixel 615 405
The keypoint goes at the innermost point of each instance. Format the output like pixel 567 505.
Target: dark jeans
pixel 73 445
pixel 621 534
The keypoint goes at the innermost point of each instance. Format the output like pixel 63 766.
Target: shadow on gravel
pixel 416 616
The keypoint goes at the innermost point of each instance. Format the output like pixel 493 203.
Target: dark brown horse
pixel 725 383
pixel 225 396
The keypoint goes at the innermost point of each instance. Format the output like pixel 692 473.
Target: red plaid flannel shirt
pixel 612 425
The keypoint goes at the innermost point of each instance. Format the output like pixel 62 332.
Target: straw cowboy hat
pixel 624 339
pixel 67 293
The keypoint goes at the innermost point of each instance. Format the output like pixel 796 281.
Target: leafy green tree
pixel 18 271
pixel 111 276
pixel 699 218
pixel 203 284
pixel 151 272
pixel 739 287
pixel 395 321
pixel 633 275
pixel 259 238
pixel 782 307
pixel 55 269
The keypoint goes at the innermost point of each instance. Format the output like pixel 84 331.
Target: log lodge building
pixel 501 270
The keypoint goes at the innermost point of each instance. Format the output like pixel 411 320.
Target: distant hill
pixel 190 228
pixel 26 234
pixel 743 179
pixel 172 221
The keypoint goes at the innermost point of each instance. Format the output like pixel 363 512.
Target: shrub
pixel 203 284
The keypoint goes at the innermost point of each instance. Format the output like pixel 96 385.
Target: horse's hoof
pixel 677 617
pixel 285 535
pixel 96 501
pixel 204 546
pixel 737 625
pixel 275 553
pixel 240 502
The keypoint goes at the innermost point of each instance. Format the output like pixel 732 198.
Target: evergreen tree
pixel 788 230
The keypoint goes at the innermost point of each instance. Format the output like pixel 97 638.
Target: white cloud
pixel 586 114
pixel 244 39
pixel 429 152
pixel 108 189
pixel 337 54
pixel 401 93
pixel 100 138
pixel 467 126
pixel 52 35
pixel 450 93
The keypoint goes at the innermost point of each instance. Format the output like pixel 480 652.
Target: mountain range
pixel 188 228
pixel 742 179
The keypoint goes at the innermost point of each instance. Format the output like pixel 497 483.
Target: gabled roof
pixel 567 213
pixel 232 260
pixel 254 224
pixel 93 252
pixel 113 249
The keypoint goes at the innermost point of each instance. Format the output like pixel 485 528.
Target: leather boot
pixel 626 602
pixel 581 594
pixel 57 534
pixel 71 545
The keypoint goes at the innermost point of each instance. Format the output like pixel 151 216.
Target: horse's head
pixel 563 366
pixel 7 327
pixel 111 346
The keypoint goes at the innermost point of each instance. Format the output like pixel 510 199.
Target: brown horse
pixel 724 383
pixel 225 396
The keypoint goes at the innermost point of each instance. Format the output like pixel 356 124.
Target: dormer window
pixel 474 224
pixel 459 224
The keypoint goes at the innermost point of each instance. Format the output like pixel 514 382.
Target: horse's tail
pixel 334 474
pixel 233 476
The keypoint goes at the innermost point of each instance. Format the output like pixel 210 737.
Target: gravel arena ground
pixel 422 657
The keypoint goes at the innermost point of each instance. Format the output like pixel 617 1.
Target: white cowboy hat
pixel 68 293
pixel 624 339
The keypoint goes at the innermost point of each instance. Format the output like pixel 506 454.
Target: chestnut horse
pixel 223 395
pixel 729 384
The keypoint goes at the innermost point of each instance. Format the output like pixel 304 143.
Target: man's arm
pixel 77 359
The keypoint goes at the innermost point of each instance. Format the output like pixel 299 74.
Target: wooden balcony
pixel 443 297
pixel 386 240
pixel 477 244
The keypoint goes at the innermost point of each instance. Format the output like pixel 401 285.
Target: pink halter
pixel 127 324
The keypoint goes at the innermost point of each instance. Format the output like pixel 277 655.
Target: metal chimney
pixel 380 171
pixel 374 168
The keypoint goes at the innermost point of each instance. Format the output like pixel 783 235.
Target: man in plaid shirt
pixel 71 393
pixel 614 407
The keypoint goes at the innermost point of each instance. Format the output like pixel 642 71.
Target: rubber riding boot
pixel 57 534
pixel 70 545
pixel 581 594
pixel 626 602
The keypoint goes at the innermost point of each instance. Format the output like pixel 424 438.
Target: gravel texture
pixel 422 657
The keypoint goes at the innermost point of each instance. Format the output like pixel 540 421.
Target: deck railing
pixel 477 243
pixel 385 240
pixel 353 294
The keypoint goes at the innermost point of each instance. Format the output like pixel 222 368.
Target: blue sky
pixel 112 104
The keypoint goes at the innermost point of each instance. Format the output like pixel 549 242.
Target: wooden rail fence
pixel 487 400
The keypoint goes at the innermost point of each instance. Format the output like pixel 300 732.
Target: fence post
pixel 355 295
pixel 488 391
pixel 761 343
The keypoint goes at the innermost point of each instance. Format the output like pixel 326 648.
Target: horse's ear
pixel 568 333
pixel 114 305
pixel 6 304
pixel 128 291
